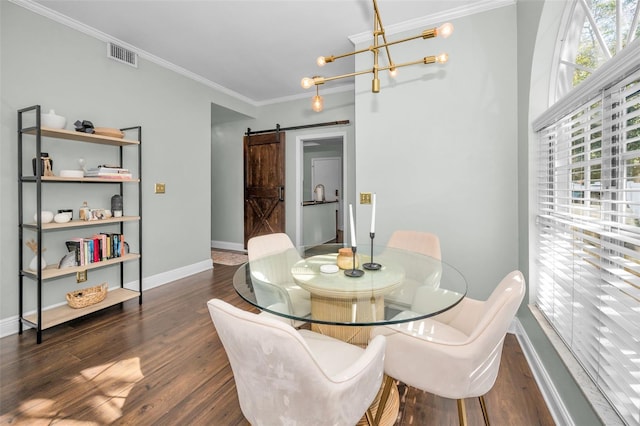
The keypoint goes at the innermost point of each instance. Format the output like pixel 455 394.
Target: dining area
pixel 353 326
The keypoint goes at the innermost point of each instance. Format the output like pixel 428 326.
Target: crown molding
pixel 434 19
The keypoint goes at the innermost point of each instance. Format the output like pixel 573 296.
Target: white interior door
pixel 328 172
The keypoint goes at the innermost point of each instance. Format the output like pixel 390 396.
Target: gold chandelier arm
pixel 322 80
pixel 344 55
pixel 426 60
pixel 430 33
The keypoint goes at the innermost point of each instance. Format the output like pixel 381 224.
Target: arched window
pixel 593 32
pixel 587 233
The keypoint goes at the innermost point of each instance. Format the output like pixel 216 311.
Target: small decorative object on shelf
pixel 53 120
pixel 62 217
pixel 84 212
pixel 46 216
pixel 87 296
pixel 116 205
pixel 46 165
pixel 33 265
pixel 84 126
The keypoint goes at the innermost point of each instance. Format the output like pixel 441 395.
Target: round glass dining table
pixel 379 286
pixel 305 285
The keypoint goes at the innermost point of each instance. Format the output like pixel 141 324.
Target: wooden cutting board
pixel 108 131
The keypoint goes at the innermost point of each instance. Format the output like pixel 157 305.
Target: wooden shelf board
pixel 54 272
pixel 78 180
pixel 81 223
pixel 83 137
pixel 62 314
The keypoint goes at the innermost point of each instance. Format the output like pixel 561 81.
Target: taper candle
pixel 373 215
pixel 353 227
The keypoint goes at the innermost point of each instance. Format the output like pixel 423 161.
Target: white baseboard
pixel 549 392
pixel 9 326
pixel 226 245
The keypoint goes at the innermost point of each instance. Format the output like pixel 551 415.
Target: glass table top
pixel 305 284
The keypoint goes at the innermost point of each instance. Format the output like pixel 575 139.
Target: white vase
pixel 33 265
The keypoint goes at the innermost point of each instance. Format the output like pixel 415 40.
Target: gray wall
pixel 449 134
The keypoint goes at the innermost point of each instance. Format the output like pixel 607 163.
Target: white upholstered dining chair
pixel 421 270
pixel 286 376
pixel 271 257
pixel 455 354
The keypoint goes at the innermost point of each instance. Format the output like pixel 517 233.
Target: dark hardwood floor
pixel 162 364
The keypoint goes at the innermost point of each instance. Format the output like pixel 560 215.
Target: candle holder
pixel 353 272
pixel 372 266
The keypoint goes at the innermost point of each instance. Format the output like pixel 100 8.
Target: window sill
pixel 600 404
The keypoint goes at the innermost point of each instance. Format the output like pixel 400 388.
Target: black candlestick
pixel 372 266
pixel 353 272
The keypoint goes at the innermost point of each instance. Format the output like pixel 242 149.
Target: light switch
pixel 159 188
pixel 365 198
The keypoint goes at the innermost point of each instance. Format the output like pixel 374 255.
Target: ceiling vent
pixel 121 54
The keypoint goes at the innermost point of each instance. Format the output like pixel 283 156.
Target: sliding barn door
pixel 264 211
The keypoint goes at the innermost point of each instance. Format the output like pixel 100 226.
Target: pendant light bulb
pixel 445 30
pixel 393 72
pixel 317 103
pixel 442 58
pixel 306 82
pixel 321 61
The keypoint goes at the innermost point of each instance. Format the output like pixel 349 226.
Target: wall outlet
pixel 365 198
pixel 159 189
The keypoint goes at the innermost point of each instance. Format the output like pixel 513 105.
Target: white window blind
pixel 588 238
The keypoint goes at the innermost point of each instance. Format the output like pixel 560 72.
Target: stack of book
pixel 108 172
pixel 96 248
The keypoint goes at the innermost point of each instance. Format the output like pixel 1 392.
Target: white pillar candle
pixel 353 227
pixel 373 215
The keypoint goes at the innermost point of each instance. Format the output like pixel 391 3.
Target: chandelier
pixel 379 42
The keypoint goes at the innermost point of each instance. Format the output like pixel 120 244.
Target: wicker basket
pixel 87 296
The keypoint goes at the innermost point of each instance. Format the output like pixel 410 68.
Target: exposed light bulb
pixel 306 82
pixel 317 103
pixel 321 61
pixel 445 30
pixel 442 58
pixel 393 72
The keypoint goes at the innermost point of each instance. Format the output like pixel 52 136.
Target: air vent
pixel 121 54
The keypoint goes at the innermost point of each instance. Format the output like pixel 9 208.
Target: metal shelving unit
pixel 43 319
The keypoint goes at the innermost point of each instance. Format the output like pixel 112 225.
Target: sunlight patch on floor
pixel 105 389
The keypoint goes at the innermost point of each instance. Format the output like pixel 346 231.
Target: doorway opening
pixel 321 160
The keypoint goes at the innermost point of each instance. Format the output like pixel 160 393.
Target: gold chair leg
pixel 369 417
pixel 462 413
pixel 388 382
pixel 483 406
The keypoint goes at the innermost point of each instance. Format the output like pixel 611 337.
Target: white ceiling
pixel 255 50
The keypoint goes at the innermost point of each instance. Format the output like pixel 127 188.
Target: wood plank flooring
pixel 162 364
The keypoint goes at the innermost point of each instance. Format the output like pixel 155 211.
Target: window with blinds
pixel 588 238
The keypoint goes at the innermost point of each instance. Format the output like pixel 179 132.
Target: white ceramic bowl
pixel 47 216
pixel 62 217
pixel 52 120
